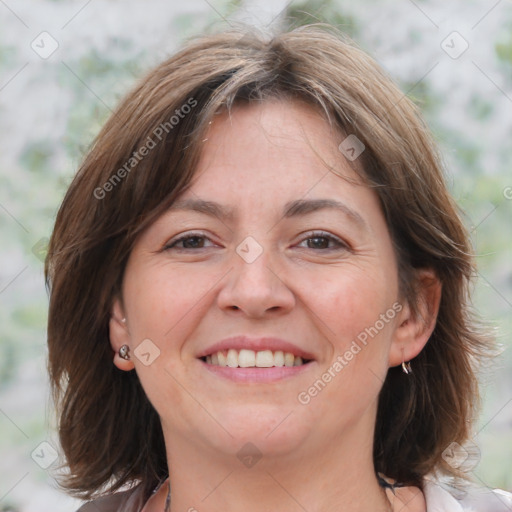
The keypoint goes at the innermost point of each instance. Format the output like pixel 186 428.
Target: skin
pixel 316 293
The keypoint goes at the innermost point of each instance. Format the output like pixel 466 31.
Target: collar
pixel 438 499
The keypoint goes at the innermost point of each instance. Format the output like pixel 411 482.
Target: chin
pixel 272 429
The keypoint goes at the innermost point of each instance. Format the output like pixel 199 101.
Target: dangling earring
pixel 406 367
pixel 124 352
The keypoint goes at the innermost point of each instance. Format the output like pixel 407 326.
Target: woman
pixel 259 292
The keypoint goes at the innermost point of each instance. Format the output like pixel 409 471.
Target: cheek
pixel 160 299
pixel 357 310
pixel 362 317
pixel 351 301
pixel 348 383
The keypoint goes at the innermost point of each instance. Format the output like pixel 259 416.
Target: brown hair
pixel 110 433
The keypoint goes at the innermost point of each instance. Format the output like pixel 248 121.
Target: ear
pixel 119 335
pixel 414 329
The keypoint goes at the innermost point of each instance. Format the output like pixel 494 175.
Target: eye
pixel 189 241
pixel 321 240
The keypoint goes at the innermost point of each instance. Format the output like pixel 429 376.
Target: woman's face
pixel 271 247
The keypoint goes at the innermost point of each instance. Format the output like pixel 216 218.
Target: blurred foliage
pixel 8 366
pixel 504 48
pixel 36 156
pixel 97 81
pixel 7 54
pixel 481 108
pixel 316 11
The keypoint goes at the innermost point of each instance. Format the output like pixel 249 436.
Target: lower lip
pixel 272 374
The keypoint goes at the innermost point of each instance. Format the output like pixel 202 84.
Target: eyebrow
pixel 295 208
pixel 306 206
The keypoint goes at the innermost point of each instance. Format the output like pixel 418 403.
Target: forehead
pixel 282 123
pixel 278 143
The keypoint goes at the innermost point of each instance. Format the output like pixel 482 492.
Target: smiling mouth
pixel 245 358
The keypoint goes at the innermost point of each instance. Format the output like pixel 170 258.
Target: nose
pixel 255 288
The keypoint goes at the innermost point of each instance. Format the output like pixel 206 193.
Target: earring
pixel 123 320
pixel 124 352
pixel 406 367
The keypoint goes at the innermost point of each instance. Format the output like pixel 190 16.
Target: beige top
pixel 437 497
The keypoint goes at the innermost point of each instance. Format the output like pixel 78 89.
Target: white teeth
pixel 278 358
pixel 265 359
pixel 245 358
pixel 232 359
pixel 222 359
pixel 289 359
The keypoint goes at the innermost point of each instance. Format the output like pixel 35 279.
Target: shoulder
pixel 107 504
pixel 126 501
pixel 443 497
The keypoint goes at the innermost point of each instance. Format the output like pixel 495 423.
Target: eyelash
pixel 314 234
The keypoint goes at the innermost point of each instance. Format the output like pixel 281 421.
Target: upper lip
pixel 256 344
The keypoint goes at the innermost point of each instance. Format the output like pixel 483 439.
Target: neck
pixel 321 476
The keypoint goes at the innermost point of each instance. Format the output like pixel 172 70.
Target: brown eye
pixel 324 241
pixel 318 242
pixel 189 242
pixel 193 242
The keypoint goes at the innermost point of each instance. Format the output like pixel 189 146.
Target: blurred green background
pixel 51 108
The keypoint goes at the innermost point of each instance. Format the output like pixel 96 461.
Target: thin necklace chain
pixel 167 506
